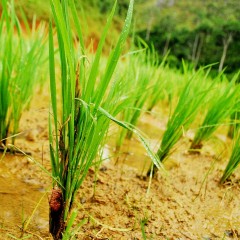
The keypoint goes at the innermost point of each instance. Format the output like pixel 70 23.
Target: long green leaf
pixel 114 57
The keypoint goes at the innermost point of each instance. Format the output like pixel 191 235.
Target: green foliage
pixel 235 118
pixel 140 77
pixel 234 158
pixel 221 107
pixel 83 122
pixel 20 62
pixel 200 32
pixel 191 99
pixel 34 7
pixel 89 102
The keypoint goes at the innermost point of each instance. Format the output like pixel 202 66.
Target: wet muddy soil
pixel 118 202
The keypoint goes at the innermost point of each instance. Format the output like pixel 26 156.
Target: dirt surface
pixel 118 202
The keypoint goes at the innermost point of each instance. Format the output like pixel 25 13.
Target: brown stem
pixel 56 213
pixel 195 148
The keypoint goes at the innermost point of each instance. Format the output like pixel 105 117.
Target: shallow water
pixel 20 195
pixel 23 184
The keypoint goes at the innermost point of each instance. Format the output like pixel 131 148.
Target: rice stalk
pixel 87 107
pixel 6 68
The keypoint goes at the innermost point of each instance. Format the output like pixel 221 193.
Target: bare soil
pixel 118 202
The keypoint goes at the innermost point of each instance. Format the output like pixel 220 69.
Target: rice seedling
pixel 158 82
pixel 234 158
pixel 20 60
pixel 140 74
pixel 145 76
pixel 87 106
pixel 143 223
pixel 27 78
pixel 136 92
pixel 6 66
pixel 192 97
pixel 77 135
pixel 221 107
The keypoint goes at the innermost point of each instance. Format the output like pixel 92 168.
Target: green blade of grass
pixel 95 66
pixel 114 57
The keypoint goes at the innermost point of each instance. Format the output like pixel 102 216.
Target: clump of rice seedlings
pixel 166 88
pixel 234 158
pixel 27 77
pixel 86 109
pixel 192 97
pixel 221 107
pixel 77 132
pixel 20 61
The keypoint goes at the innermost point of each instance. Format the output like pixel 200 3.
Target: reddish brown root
pixel 56 221
pixel 195 148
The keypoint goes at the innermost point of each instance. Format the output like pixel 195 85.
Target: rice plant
pixel 146 77
pixel 192 97
pixel 234 158
pixel 138 75
pixel 221 107
pixel 158 82
pixel 6 65
pixel 20 59
pixel 142 74
pixel 86 109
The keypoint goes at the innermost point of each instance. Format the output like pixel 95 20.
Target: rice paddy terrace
pixel 187 203
pixel 100 146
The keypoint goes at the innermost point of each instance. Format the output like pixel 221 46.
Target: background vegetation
pixel 95 91
pixel 200 32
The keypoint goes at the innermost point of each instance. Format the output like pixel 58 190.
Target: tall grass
pixel 20 61
pixel 221 107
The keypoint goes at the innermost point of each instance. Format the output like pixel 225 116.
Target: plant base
pixel 195 148
pixel 56 221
